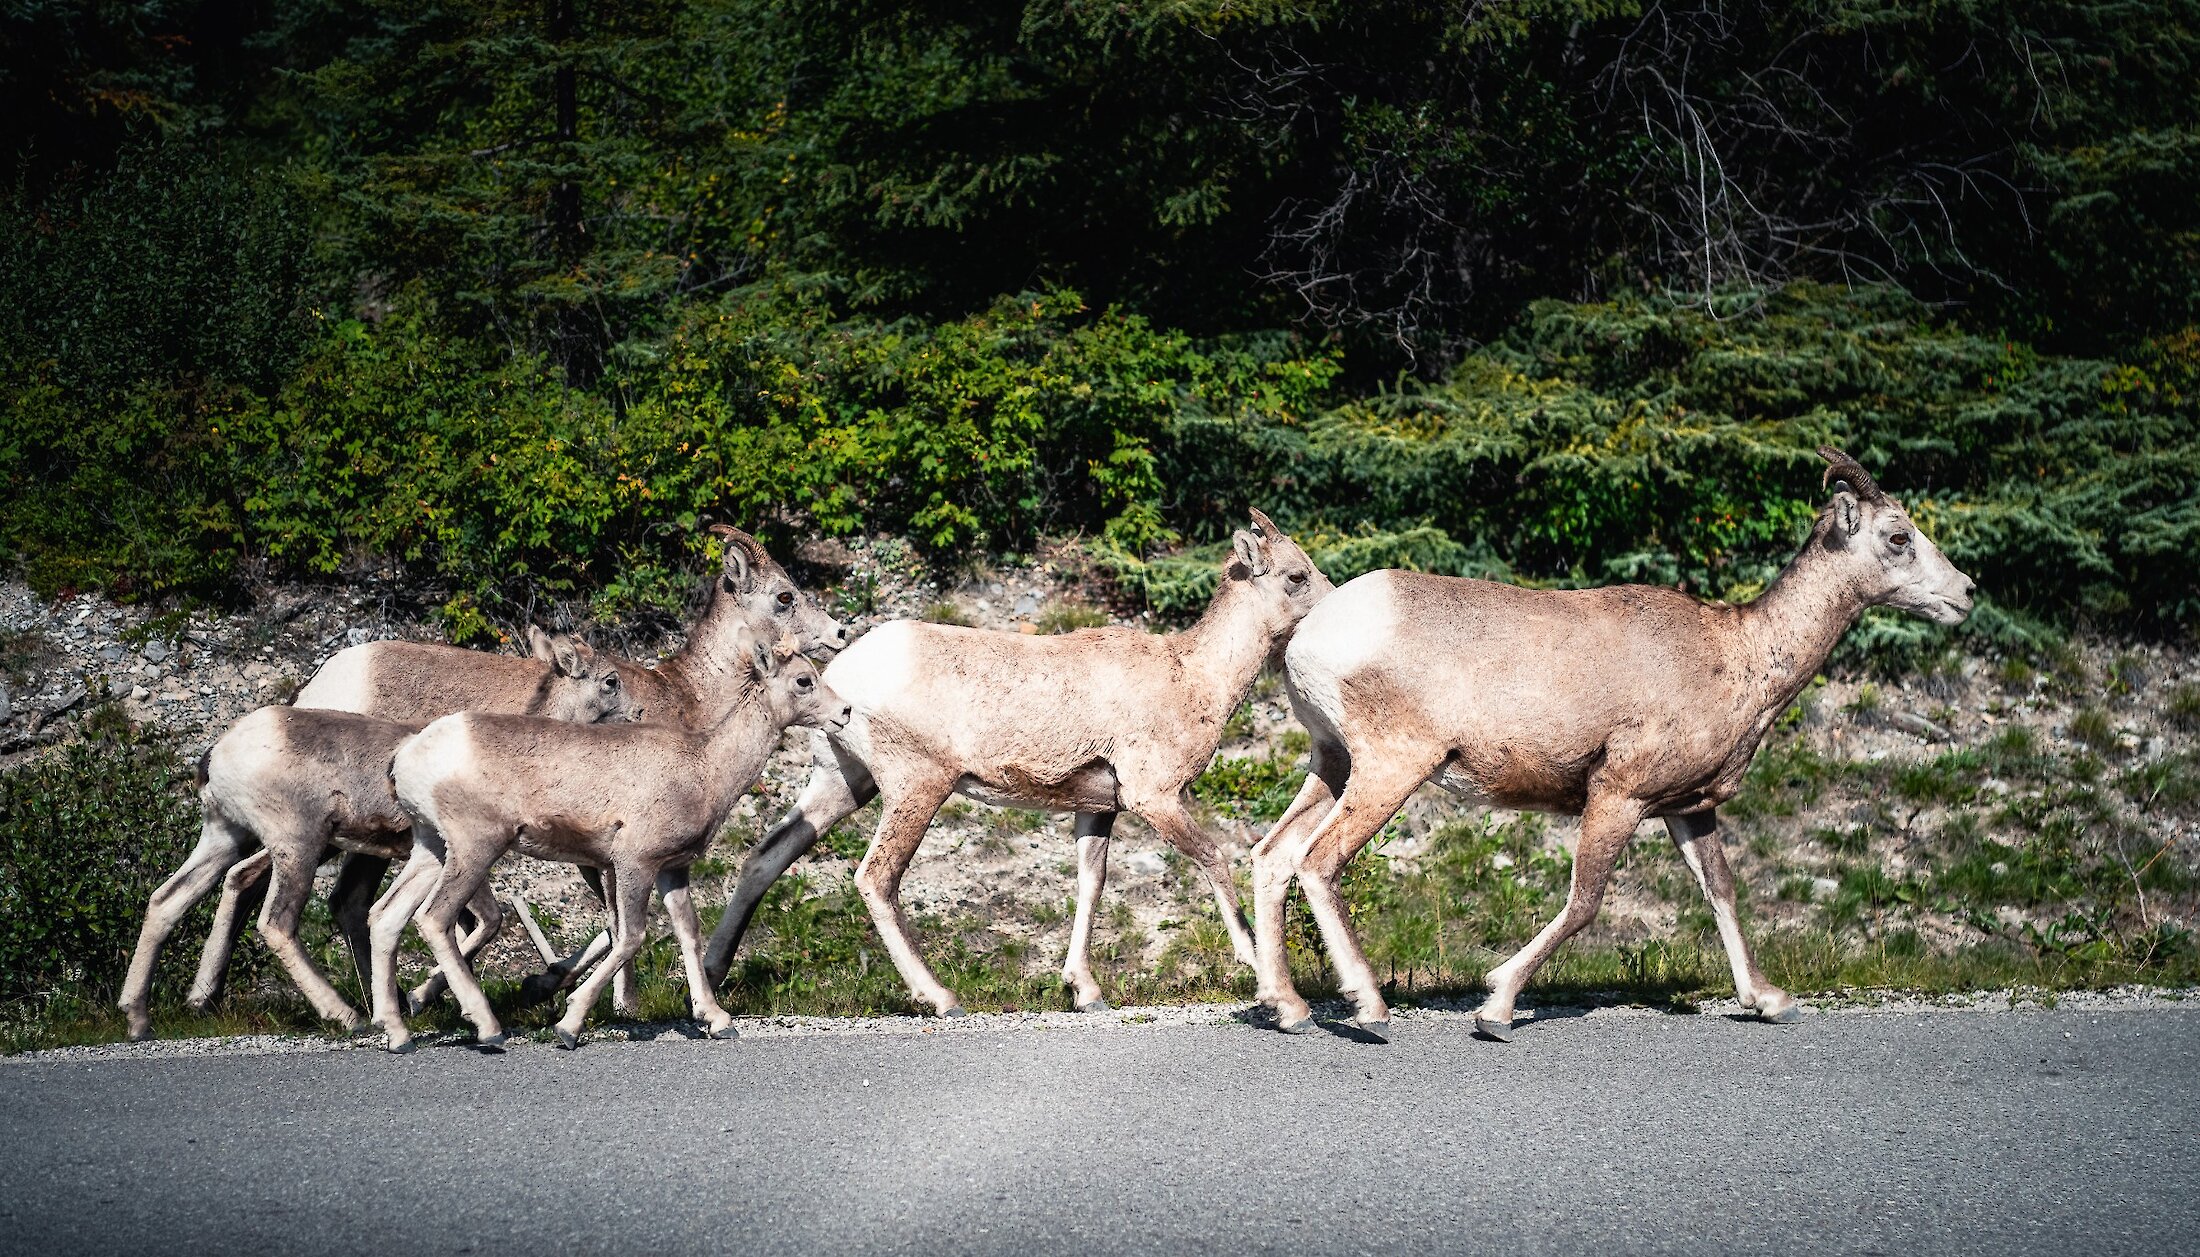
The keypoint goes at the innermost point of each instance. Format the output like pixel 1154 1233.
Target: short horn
pixel 1263 525
pixel 735 538
pixel 1840 466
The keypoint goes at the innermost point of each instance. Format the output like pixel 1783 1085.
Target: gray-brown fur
pixel 1095 722
pixel 417 682
pixel 299 784
pixel 640 802
pixel 1614 704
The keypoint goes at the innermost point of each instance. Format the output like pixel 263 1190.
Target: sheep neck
pixel 1222 653
pixel 1792 628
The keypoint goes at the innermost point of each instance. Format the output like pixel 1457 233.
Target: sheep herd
pixel 1615 704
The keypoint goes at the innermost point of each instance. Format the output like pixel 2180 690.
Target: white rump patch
pixel 342 683
pixel 1343 634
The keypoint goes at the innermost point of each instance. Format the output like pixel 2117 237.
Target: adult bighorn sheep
pixel 416 682
pixel 1095 722
pixel 1613 704
pixel 639 802
pixel 293 782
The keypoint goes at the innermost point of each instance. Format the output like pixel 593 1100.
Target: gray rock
pixel 156 651
pixel 1823 888
pixel 112 652
pixel 7 705
pixel 1027 605
pixel 1911 722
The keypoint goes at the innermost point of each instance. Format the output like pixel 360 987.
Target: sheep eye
pixel 1899 540
pixel 1297 578
pixel 804 683
pixel 611 682
pixel 786 598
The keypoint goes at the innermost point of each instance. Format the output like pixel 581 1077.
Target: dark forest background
pixel 514 295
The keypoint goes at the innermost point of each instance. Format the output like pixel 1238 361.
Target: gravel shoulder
pixel 1445 1015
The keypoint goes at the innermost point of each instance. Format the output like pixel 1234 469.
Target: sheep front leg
pixel 1093 829
pixel 836 789
pixel 672 884
pixel 1697 837
pixel 1607 823
pixel 1174 820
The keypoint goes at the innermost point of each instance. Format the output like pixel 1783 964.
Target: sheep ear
pixel 538 645
pixel 569 657
pixel 1846 512
pixel 736 563
pixel 765 664
pixel 1251 551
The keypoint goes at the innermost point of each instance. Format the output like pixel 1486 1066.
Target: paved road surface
pixel 1912 1133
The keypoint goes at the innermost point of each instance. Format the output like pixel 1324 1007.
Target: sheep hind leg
pixel 541 988
pixel 878 879
pixel 290 885
pixel 1093 829
pixel 1275 860
pixel 221 844
pixel 1373 796
pixel 465 877
pixel 244 889
pixel 1696 836
pixel 629 888
pixel 480 923
pixel 1606 825
pixel 386 923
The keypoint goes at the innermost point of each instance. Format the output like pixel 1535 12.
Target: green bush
pixel 86 834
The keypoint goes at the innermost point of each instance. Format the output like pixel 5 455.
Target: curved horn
pixel 1840 466
pixel 1263 525
pixel 751 550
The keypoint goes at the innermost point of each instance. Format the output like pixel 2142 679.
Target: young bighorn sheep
pixel 640 802
pixel 294 782
pixel 1613 704
pixel 416 682
pixel 1095 722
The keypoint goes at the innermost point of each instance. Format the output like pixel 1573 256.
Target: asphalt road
pixel 1912 1133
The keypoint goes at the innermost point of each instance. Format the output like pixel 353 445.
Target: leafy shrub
pixel 86 834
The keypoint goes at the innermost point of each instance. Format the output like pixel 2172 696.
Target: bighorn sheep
pixel 293 782
pixel 416 682
pixel 1613 704
pixel 1094 722
pixel 639 802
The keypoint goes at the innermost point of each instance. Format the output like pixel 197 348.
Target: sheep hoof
pixel 1498 1031
pixel 566 1038
pixel 727 1031
pixel 1376 1030
pixel 1785 1017
pixel 403 1047
pixel 140 1031
pixel 1096 1006
pixel 492 1042
pixel 1305 1025
pixel 956 1011
pixel 538 988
